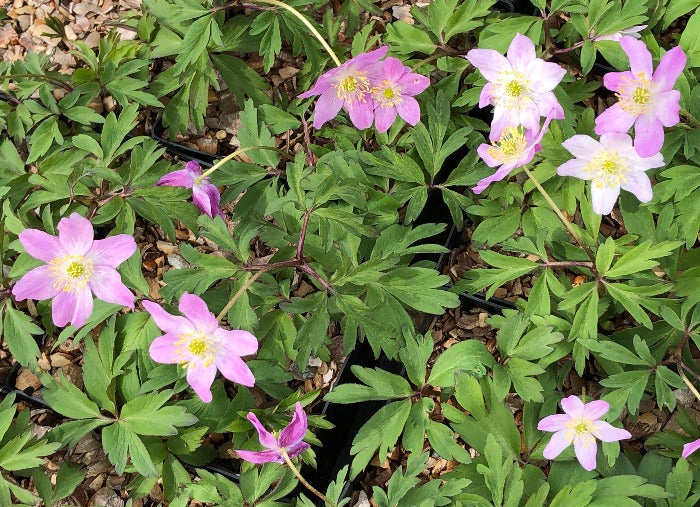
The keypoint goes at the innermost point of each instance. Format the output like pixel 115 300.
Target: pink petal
pixel 586 450
pixel 361 113
pixel 237 342
pixel 266 438
pixel 582 146
pixel 384 117
pixel 667 107
pixel 690 448
pixel 365 59
pixel 609 433
pixel 613 119
pixel 112 251
pixel 41 245
pixel 640 185
pixel 327 107
pixel 648 135
pixel 259 457
pixel 641 164
pixel 73 307
pixel 322 84
pixel 297 449
pixel 163 349
pixel 295 431
pixel 556 445
pixel 547 103
pixel 201 199
pixel 529 116
pixel 107 286
pixel 500 174
pixel 595 409
pixel 201 379
pixel 75 234
pixel 167 322
pixel 521 52
pixel 573 406
pixel 392 68
pixel 486 95
pixel 640 58
pixel 214 199
pixel 413 84
pixel 483 151
pixel 35 284
pixel 574 168
pixel 603 199
pixel 670 67
pixel 545 76
pixel 489 62
pixel 409 110
pixel 193 167
pixel 179 178
pixel 618 141
pixel 235 369
pixel 502 119
pixel 196 310
pixel 556 422
pixel 612 80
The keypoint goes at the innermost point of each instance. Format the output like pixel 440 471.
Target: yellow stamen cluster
pixel 607 169
pixel 353 87
pixel 635 94
pixel 71 273
pixel 510 146
pixel 387 94
pixel 195 348
pixel 580 428
pixel 512 90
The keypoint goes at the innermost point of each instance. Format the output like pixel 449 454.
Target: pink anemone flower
pixel 690 448
pixel 580 425
pixel 291 440
pixel 393 91
pixel 647 98
pixel 349 87
pixel 610 164
pixel 520 86
pixel 197 341
pixel 77 266
pixel 204 194
pixel 514 149
pixel 632 31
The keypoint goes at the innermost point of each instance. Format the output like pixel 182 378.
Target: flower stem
pixel 49 79
pixel 241 291
pixel 233 155
pixel 692 120
pixel 295 471
pixel 687 382
pixel 561 216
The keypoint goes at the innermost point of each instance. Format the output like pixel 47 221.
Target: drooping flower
pixel 520 86
pixel 204 194
pixel 632 31
pixel 77 266
pixel 690 448
pixel 197 341
pixel 394 86
pixel 515 148
pixel 291 439
pixel 647 99
pixel 580 425
pixel 610 164
pixel 346 86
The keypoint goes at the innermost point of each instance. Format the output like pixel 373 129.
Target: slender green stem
pixel 233 155
pixel 50 79
pixel 559 213
pixel 687 382
pixel 295 471
pixel 692 120
pixel 240 292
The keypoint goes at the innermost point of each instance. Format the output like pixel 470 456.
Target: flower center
pixel 635 94
pixel 512 90
pixel 607 169
pixel 353 87
pixel 386 94
pixel 389 93
pixel 640 95
pixel 581 428
pixel 71 273
pixel 510 146
pixel 195 348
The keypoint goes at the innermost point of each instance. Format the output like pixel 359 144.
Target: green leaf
pixel 406 39
pixel 146 415
pixel 18 331
pixel 68 400
pixel 469 356
pixel 253 132
pixel 417 287
pixel 380 385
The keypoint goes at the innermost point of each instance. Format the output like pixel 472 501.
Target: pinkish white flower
pixel 520 86
pixel 204 194
pixel 647 98
pixel 515 148
pixel 291 439
pixel 580 425
pixel 394 86
pixel 632 31
pixel 197 341
pixel 690 448
pixel 346 86
pixel 610 164
pixel 77 266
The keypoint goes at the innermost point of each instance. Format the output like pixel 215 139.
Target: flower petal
pixel 545 76
pixel 112 251
pixel 297 449
pixel 201 379
pixel 690 448
pixel 608 433
pixel 575 168
pixel 409 110
pixel 259 457
pixel 107 286
pixel 196 310
pixel 612 80
pixel 266 438
pixel 556 445
pixel 486 96
pixel 294 432
pixel 586 449
pixel 640 185
pixel 613 119
pixel 179 178
pixel 556 422
pixel 549 105
pixel 603 199
pixel 489 62
pixel 639 55
pixel 483 151
pixel 667 106
pixel 167 322
pixel 595 409
pixel 235 369
pixel 35 284
pixel 361 113
pixel 327 107
pixel 163 349
pixel 499 175
pixel 521 52
pixel 214 199
pixel 384 117
pixel 41 245
pixel 573 406
pixel 201 199
pixel 648 135
pixel 237 342
pixel 413 84
pixel 670 67
pixel 582 146
pixel 75 234
pixel 73 307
